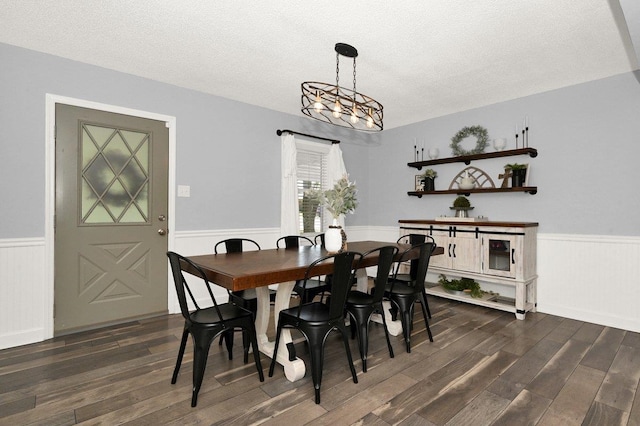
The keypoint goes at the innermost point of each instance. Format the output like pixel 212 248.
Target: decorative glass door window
pixel 500 256
pixel 114 185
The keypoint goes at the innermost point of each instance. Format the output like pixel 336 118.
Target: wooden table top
pixel 250 269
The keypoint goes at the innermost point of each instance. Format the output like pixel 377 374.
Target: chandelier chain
pixel 337 68
pixel 354 75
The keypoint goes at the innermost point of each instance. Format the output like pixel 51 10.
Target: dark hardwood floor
pixel 484 367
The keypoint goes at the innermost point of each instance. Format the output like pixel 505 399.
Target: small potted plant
pixel 461 205
pixel 428 179
pixel 518 174
pixel 461 287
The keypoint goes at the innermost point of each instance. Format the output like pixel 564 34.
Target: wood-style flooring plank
pixel 572 403
pixel 621 382
pixel 466 388
pixel 604 349
pixel 482 410
pixel 555 373
pixel 526 409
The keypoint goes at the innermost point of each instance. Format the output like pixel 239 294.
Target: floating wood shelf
pixel 529 189
pixel 467 159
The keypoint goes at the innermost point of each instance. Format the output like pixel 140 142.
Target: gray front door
pixel 111 207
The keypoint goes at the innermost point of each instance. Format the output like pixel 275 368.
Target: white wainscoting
pixel 22 266
pixel 590 278
pixel 594 278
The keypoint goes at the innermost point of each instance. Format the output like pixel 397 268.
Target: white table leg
pixel 293 370
pixel 363 280
pixel 394 327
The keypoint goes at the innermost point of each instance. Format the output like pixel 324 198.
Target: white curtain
pixel 335 171
pixel 289 221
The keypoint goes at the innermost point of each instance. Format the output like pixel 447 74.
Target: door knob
pixel 162 218
pixel 162 231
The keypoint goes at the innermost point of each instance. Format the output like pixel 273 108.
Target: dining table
pixel 284 266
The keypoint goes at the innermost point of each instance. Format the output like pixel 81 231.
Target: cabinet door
pixel 465 251
pixel 441 237
pixel 501 255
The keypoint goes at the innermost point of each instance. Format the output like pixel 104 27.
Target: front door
pixel 110 225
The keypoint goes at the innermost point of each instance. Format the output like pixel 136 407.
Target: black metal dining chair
pixel 247 299
pixel 403 295
pixel 414 239
pixel 204 324
pixel 360 305
pixel 315 320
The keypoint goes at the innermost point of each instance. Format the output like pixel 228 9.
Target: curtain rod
pixel 280 132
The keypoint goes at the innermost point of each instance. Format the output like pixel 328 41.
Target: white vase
pixel 333 237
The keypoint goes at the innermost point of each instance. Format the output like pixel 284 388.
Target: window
pixel 312 178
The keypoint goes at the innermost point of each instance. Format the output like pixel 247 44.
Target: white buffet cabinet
pixel 501 256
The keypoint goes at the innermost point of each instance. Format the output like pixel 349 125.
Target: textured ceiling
pixel 419 58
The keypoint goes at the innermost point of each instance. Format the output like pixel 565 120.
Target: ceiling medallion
pixel 341 106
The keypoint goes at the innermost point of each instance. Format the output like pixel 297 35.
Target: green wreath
pixel 477 131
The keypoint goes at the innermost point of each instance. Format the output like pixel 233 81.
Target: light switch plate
pixel 184 191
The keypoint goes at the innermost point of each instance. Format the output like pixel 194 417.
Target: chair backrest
pixel 415 239
pixel 293 241
pixel 177 261
pixel 343 270
pixel 319 240
pixel 385 262
pixel 235 245
pixel 422 263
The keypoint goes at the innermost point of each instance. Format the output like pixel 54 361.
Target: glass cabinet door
pixel 500 255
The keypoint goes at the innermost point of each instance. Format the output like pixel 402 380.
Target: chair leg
pixel 183 344
pixel 363 343
pixel 228 338
pixel 275 350
pixel 245 345
pixel 316 352
pixel 256 353
pixel 406 328
pixel 343 331
pixel 201 352
pixel 425 310
pixel 361 319
pixel 404 305
pixel 386 330
pixel 426 303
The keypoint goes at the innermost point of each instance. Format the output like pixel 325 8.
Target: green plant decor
pixel 466 285
pixel 461 202
pixel 430 173
pixel 342 198
pixel 515 166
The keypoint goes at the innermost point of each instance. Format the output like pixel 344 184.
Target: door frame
pixel 50 191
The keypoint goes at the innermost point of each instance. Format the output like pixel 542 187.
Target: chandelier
pixel 338 105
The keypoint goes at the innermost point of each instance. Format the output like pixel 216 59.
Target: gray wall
pixel 588 142
pixel 229 154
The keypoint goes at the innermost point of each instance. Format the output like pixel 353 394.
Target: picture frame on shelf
pixel 419 186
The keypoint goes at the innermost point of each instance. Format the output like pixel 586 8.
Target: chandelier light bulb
pixel 354 116
pixel 337 109
pixel 317 106
pixel 369 120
